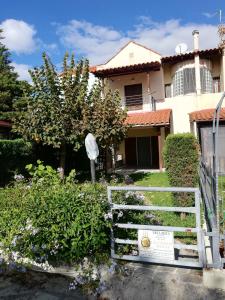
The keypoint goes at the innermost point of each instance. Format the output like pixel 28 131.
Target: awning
pixel 152 118
pixel 205 115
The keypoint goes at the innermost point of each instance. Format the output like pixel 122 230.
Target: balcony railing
pixel 134 102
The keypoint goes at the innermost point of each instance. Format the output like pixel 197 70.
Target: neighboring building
pixel 163 95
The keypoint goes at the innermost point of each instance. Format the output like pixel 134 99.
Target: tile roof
pixel 206 53
pixel 155 65
pixel 5 124
pixel 205 115
pixel 152 118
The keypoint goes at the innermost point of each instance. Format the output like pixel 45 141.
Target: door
pixel 130 152
pixel 144 152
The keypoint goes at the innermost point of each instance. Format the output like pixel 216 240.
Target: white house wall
pixel 131 54
pixel 156 86
pixel 182 105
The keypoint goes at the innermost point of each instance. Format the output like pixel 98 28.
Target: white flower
pixel 108 216
pixel 18 177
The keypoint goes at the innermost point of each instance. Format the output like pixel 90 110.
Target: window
pixel 216 85
pixel 168 90
pixel 178 83
pixel 133 96
pixel 184 81
pixel 206 80
pixel 189 80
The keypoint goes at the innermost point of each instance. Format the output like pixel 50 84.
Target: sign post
pixel 92 153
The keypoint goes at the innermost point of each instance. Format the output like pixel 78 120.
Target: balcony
pixel 134 102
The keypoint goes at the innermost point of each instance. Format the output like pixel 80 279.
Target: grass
pixel 165 199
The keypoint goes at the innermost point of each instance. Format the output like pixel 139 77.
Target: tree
pixel 10 86
pixel 54 112
pixel 106 117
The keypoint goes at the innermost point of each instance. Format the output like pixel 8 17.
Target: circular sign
pixel 145 242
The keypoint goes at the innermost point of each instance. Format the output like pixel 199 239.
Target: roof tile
pixel 205 115
pixel 153 118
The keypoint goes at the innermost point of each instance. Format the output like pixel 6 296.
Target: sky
pixel 97 29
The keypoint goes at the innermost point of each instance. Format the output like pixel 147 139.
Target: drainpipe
pixel 195 34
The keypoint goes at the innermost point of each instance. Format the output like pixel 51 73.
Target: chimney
pixel 195 34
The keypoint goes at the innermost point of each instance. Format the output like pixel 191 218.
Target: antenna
pixel 220 13
pixel 181 48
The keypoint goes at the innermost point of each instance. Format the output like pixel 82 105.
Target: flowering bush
pixel 47 219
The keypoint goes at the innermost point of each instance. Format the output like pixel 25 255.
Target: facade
pixel 163 95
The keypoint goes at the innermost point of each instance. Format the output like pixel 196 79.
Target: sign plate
pixel 91 147
pixel 158 245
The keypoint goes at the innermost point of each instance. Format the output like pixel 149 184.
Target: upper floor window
pixel 133 96
pixel 216 85
pixel 206 80
pixel 184 81
pixel 168 91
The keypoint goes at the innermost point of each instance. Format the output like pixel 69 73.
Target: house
pixel 163 94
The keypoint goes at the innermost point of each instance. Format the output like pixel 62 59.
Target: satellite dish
pixel 91 147
pixel 181 48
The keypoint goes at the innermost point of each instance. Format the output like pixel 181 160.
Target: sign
pixel 91 147
pixel 158 245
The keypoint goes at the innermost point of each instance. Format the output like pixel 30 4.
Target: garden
pixel 51 214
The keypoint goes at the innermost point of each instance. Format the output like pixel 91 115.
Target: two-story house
pixel 163 95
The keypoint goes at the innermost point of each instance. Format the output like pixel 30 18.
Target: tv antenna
pixel 181 48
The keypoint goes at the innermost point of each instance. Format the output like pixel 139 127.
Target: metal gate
pixel 199 248
pixel 212 184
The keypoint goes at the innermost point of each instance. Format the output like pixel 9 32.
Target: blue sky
pixel 97 28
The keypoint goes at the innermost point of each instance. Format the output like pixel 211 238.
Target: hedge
pixel 14 155
pixel 181 159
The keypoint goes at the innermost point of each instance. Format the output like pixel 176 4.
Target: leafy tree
pixel 10 86
pixel 54 112
pixel 106 117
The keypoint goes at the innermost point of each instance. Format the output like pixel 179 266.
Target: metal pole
pixel 93 178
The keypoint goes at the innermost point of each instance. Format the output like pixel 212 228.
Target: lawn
pixel 165 199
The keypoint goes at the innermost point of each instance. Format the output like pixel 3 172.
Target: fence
pixel 199 248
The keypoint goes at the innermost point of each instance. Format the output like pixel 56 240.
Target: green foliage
pixel 14 155
pixel 106 116
pixel 51 219
pixel 181 160
pixel 10 86
pixel 54 111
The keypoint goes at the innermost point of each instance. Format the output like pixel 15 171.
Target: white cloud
pixel 209 15
pixel 96 42
pixel 22 71
pixel 19 36
pixel 99 43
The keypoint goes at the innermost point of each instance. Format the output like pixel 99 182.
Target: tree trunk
pixel 62 161
pixel 113 159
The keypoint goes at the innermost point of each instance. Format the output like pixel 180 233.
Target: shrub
pixel 14 155
pixel 48 219
pixel 181 162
